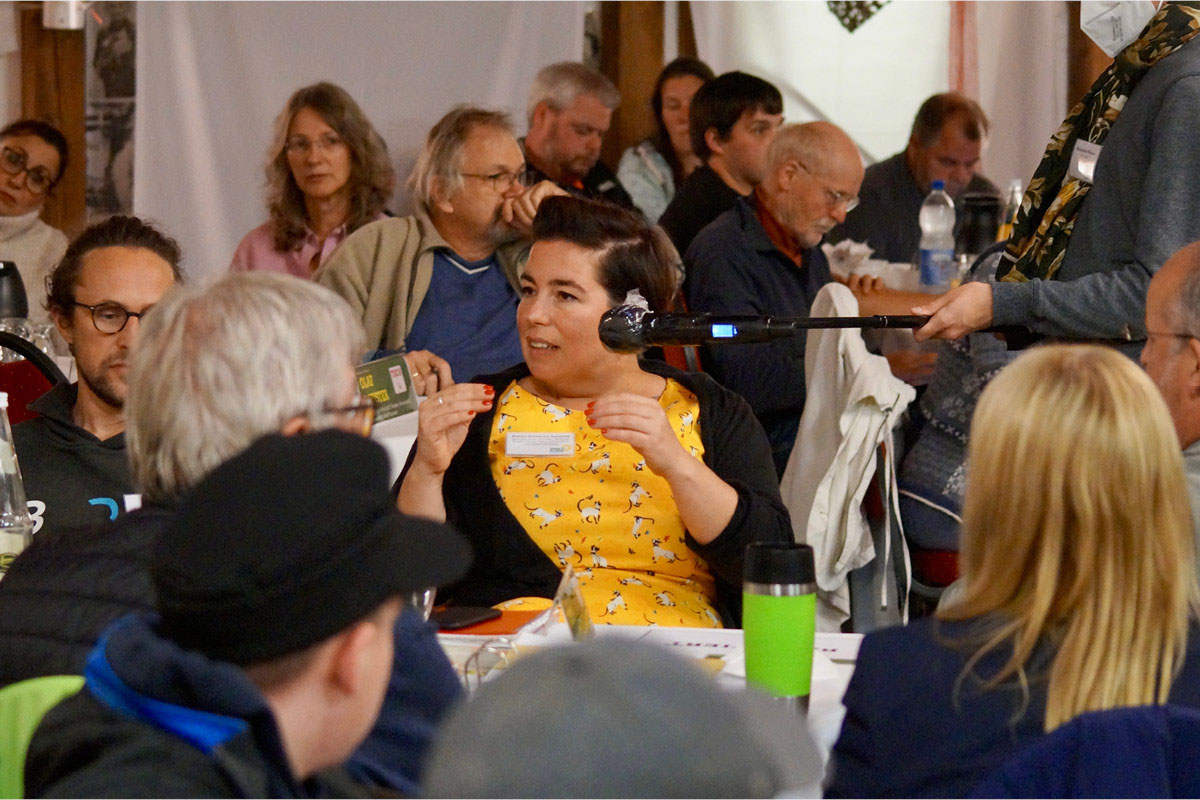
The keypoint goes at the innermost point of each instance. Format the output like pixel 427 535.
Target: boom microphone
pixel 629 328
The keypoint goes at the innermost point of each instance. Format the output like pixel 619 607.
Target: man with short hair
pixel 570 108
pixel 762 258
pixel 732 120
pixel 1171 356
pixel 72 456
pixel 441 284
pixel 233 691
pixel 947 140
pixel 219 367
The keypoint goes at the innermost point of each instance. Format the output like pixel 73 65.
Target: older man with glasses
pixel 762 258
pixel 441 285
pixel 72 455
pixel 1171 356
pixel 219 367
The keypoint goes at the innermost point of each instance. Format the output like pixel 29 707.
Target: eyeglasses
pixel 14 162
pixel 1171 334
pixel 111 317
pixel 503 181
pixel 361 414
pixel 302 145
pixel 834 197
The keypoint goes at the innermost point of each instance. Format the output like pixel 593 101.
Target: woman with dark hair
pixel 651 170
pixel 648 481
pixel 33 157
pixel 328 174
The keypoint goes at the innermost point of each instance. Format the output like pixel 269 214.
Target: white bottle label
pixel 936 266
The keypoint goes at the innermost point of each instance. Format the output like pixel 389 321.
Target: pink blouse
pixel 257 252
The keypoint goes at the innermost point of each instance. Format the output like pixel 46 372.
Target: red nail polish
pixel 604 431
pixel 591 421
pixel 488 390
pixel 470 413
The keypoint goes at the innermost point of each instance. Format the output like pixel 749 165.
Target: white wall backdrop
pixel 871 82
pixel 1022 82
pixel 213 75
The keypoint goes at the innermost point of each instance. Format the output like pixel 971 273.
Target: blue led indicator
pixel 724 331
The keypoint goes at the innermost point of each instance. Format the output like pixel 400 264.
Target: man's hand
pixel 962 310
pixel 518 212
pixel 862 284
pixel 430 373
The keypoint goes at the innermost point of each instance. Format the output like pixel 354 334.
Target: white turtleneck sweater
pixel 37 248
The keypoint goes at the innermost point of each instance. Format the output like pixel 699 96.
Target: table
pixel 833 664
pixel 397 435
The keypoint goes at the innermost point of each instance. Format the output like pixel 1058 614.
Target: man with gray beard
pixel 441 285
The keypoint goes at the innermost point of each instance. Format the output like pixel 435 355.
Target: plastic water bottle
pixel 937 239
pixel 16 526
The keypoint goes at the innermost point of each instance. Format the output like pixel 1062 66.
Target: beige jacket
pixel 383 271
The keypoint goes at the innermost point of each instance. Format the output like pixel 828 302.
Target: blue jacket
pixel 1147 751
pixel 912 730
pixel 733 268
pixel 155 720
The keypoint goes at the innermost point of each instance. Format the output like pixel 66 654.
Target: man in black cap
pixel 278 591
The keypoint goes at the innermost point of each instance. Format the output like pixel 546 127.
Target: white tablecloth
pixel 833 664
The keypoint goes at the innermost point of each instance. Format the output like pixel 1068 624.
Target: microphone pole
pixel 627 329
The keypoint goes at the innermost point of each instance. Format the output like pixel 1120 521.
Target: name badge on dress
pixel 1083 160
pixel 539 444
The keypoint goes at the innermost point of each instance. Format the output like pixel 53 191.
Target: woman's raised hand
pixel 442 423
pixel 640 422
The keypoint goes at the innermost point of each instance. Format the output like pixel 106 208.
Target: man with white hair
pixel 441 284
pixel 216 369
pixel 570 108
pixel 1171 356
pixel 762 258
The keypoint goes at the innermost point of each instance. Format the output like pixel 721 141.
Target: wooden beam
pixel 52 89
pixel 1085 61
pixel 631 50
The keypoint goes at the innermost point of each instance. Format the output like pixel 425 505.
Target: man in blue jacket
pixel 278 592
pixel 762 257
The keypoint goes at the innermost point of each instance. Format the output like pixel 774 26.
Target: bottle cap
pixel 939 186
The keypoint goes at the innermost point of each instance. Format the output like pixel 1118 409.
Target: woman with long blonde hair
pixel 1080 586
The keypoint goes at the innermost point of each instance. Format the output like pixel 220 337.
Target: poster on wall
pixel 110 105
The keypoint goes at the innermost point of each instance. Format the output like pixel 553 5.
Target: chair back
pixel 26 381
pixel 22 706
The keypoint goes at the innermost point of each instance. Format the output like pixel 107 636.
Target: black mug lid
pixel 13 301
pixel 779 562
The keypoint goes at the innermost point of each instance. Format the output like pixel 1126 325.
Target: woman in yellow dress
pixel 648 481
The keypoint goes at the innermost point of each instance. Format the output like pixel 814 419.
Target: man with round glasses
pixel 72 456
pixel 33 158
pixel 441 285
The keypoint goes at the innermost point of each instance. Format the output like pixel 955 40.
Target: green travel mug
pixel 779 615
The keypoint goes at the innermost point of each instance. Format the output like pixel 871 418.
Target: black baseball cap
pixel 290 542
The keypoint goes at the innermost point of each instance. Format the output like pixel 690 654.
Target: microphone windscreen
pixel 622 329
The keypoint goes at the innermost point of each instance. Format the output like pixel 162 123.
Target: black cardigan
pixel 509 564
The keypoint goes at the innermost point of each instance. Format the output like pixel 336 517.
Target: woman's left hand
pixel 640 422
